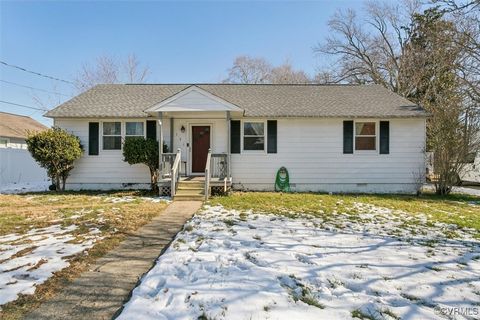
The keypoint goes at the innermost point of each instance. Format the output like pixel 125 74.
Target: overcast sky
pixel 181 42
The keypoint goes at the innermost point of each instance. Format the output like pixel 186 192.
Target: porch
pixel 216 177
pixel 196 124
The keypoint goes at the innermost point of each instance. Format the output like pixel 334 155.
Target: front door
pixel 200 146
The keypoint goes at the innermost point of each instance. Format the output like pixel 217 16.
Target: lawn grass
pixel 20 213
pixel 461 210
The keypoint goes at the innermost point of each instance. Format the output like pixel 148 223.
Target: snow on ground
pixel 132 198
pixel 29 259
pixel 467 190
pixel 24 187
pixel 473 191
pixel 231 265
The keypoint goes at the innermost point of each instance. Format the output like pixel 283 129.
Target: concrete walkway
pixel 100 292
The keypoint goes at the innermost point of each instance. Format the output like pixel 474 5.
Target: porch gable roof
pixel 193 99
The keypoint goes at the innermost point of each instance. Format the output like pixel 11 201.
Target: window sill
pixel 255 152
pixel 366 152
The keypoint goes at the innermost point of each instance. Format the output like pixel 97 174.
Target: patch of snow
pixel 157 199
pixel 27 260
pixel 464 190
pixel 132 198
pixel 15 188
pixel 259 266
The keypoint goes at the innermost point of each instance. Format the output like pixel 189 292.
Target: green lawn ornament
pixel 282 181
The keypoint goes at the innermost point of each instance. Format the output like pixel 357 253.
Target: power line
pixel 36 73
pixel 38 89
pixel 22 105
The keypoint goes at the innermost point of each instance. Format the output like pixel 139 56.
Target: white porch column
pixel 171 133
pixel 229 158
pixel 160 142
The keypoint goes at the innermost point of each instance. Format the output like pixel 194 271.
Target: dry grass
pixel 461 210
pixel 20 213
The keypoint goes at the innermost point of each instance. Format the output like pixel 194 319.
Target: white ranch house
pixel 331 138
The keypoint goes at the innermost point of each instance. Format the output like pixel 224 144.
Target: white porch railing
pixel 219 166
pixel 207 174
pixel 166 165
pixel 175 173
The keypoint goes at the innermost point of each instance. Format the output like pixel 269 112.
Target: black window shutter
pixel 347 137
pixel 234 136
pixel 384 137
pixel 152 129
pixel 272 136
pixel 93 138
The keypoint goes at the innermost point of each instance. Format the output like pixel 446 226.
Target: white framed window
pixel 254 136
pixel 134 129
pixel 112 135
pixel 365 136
pixel 4 142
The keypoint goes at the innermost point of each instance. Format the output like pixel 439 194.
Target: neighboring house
pixel 16 163
pixel 331 138
pixel 471 172
pixel 14 128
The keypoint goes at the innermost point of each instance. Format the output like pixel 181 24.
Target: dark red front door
pixel 200 146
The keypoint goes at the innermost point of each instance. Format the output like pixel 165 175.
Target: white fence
pixel 18 166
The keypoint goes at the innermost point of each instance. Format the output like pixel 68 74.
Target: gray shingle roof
pixel 17 126
pixel 130 100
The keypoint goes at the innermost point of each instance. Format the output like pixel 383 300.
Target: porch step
pixel 190 187
pixel 188 197
pixel 189 192
pixel 191 183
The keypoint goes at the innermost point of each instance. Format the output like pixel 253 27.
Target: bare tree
pixel 251 70
pixel 430 57
pixel 431 61
pixel 109 70
pixel 457 6
pixel 51 99
pixel 370 51
pixel 247 69
pixel 286 74
pixel 134 71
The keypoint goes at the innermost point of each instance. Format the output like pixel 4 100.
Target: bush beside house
pixel 55 150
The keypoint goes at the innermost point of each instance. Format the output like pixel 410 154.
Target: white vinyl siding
pixel 312 152
pixel 310 149
pixel 106 168
pixel 13 143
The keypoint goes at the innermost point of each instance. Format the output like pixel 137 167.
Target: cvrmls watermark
pixel 458 311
